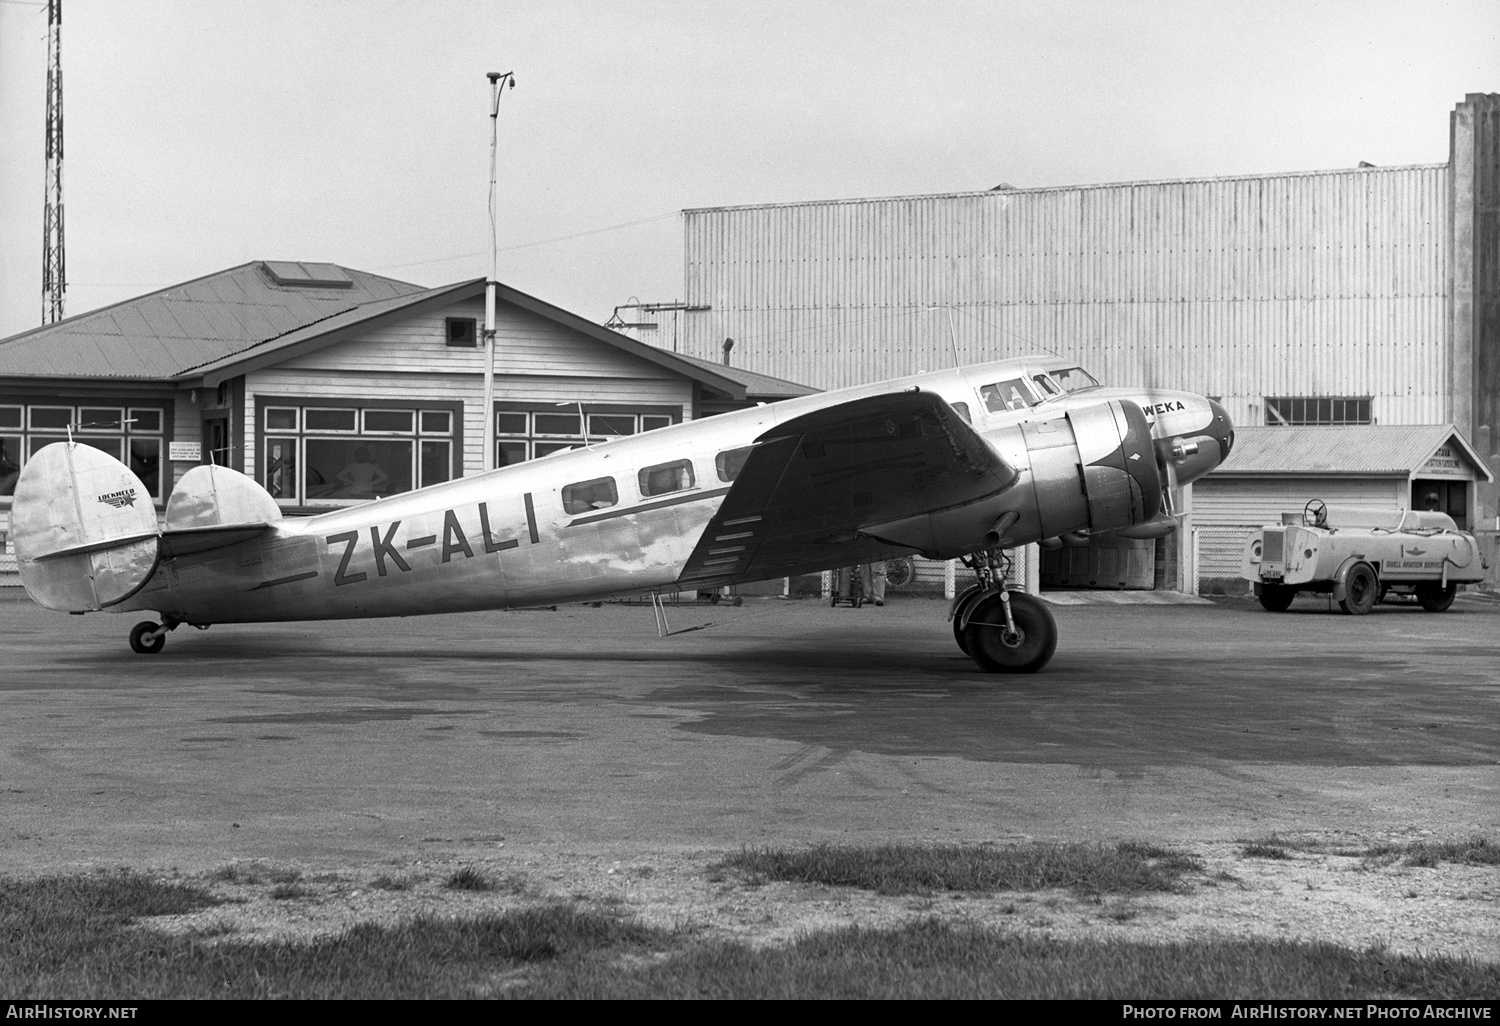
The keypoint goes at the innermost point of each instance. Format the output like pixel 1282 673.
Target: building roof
pixel 264 312
pixel 1365 450
pixel 165 334
pixel 760 387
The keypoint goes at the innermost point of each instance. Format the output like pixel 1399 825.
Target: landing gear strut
pixel 1002 630
pixel 147 638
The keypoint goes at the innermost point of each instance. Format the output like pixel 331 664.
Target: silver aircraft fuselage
pixel 504 538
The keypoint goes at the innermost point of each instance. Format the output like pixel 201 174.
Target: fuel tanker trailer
pixel 1360 556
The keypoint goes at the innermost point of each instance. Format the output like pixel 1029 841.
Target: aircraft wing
pixel 817 480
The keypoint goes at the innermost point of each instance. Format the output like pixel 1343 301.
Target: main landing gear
pixel 1003 631
pixel 147 638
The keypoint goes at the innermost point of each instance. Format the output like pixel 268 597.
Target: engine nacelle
pixel 1092 468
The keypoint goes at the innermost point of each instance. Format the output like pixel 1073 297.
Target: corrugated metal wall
pixel 1327 283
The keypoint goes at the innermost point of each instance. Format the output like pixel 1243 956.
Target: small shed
pixel 1275 470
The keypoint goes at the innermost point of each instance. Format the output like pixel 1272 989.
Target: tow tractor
pixel 1361 556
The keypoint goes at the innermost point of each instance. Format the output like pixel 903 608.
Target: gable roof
pixel 166 333
pixel 261 313
pixel 761 387
pixel 1375 450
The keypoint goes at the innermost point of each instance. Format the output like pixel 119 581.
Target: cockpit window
pixel 1073 378
pixel 667 477
pixel 1046 385
pixel 1004 396
pixel 590 495
pixel 729 463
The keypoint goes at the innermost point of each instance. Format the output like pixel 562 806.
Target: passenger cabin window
pixel 1006 396
pixel 728 464
pixel 586 496
pixel 963 411
pixel 667 477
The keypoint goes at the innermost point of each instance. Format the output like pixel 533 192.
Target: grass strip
pixel 1087 869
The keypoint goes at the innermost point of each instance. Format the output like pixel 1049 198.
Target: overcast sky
pixel 202 134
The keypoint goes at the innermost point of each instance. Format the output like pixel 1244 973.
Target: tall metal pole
pixel 54 266
pixel 498 82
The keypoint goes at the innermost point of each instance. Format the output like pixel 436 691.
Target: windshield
pixel 1073 378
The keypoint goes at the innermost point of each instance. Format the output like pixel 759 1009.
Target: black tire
pixel 900 572
pixel 1361 589
pixel 138 633
pixel 1435 598
pixel 958 620
pixel 1276 598
pixel 1028 652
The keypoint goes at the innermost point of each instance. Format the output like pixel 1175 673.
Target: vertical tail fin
pixel 84 528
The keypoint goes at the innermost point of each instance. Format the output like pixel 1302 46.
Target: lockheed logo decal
pixel 120 499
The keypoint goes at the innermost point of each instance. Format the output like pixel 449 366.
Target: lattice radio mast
pixel 54 276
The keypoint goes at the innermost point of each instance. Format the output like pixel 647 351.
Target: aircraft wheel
pixel 739 600
pixel 1360 590
pixel 959 627
pixel 138 642
pixel 996 650
pixel 1276 598
pixel 1435 598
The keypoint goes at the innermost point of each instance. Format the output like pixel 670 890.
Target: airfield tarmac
pixel 573 754
pixel 786 722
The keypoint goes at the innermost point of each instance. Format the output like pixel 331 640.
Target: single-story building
pixel 1276 470
pixel 295 372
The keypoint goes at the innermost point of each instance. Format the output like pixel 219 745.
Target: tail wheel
pixel 997 649
pixel 144 639
pixel 1361 589
pixel 1435 598
pixel 1275 598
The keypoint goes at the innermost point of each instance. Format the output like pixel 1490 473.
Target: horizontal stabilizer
pixel 84 528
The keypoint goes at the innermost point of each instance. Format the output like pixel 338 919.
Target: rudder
pixel 84 528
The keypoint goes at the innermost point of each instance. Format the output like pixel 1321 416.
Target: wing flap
pixel 812 484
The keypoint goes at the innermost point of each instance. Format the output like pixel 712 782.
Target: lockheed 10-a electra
pixel 961 463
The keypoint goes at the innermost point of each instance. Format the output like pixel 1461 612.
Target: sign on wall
pixel 185 452
pixel 1448 461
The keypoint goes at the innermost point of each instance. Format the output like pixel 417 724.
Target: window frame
pixel 1308 410
pixel 124 406
pixel 530 440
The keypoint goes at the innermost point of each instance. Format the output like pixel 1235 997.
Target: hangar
pixel 1331 302
pixel 294 372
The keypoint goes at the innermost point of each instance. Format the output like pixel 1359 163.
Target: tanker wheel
pixel 900 572
pixel 140 632
pixel 1276 598
pixel 999 650
pixel 1434 597
pixel 1361 589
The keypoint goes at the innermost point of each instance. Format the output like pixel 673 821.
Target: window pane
pixel 557 424
pixel 1073 378
pixel 584 496
pixel 10 463
pixel 651 423
pixel 667 477
pixel 509 453
pixel 145 463
pixel 281 420
pixel 728 464
pixel 93 418
pixel 437 422
pixel 109 445
pixel 548 448
pixel 348 468
pixel 10 416
pixel 330 420
pixel 1004 396
pixel 611 424
pixel 148 421
pixel 510 423
pixel 962 409
pixel 437 465
pixel 51 417
pixel 461 332
pixel 388 420
pixel 36 443
pixel 1044 384
pixel 281 468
